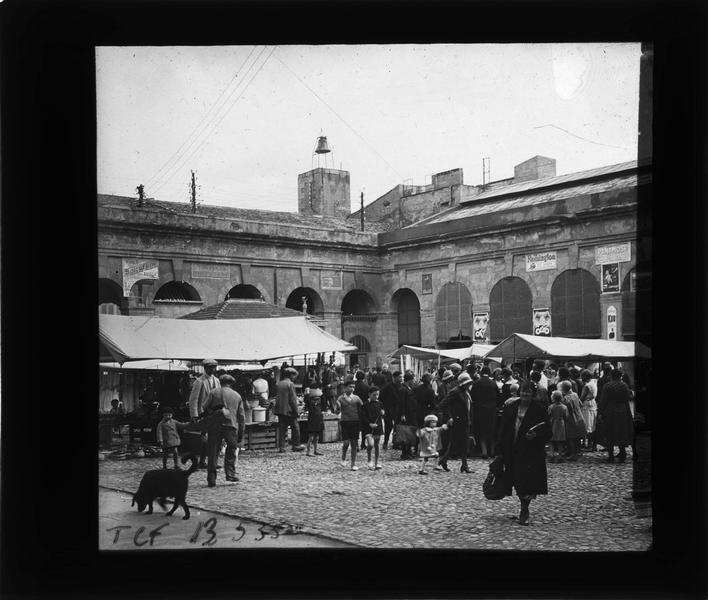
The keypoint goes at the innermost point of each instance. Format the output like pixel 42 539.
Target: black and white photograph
pixel 315 292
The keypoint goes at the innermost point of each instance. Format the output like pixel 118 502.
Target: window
pixel 509 309
pixel 575 305
pixel 453 313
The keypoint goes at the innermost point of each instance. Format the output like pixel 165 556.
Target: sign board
pixel 427 283
pixel 610 278
pixel 331 280
pixel 611 323
pixel 613 254
pixel 206 271
pixel 541 261
pixel 480 323
pixel 135 269
pixel 542 322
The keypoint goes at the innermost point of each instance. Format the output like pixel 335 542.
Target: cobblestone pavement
pixel 588 508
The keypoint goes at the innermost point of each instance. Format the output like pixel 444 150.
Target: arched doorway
pixel 315 306
pixel 637 305
pixel 177 291
pixel 361 356
pixel 357 302
pixel 141 293
pixel 244 290
pixel 407 307
pixel 575 305
pixel 453 316
pixel 110 297
pixel 509 308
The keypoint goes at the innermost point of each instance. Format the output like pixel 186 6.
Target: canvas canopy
pixel 473 351
pixel 519 345
pixel 146 365
pixel 228 340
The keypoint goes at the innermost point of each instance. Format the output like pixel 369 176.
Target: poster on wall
pixel 135 269
pixel 331 280
pixel 480 323
pixel 542 322
pixel 611 323
pixel 541 261
pixel 610 278
pixel 613 254
pixel 428 283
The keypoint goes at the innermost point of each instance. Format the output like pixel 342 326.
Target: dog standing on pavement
pixel 164 483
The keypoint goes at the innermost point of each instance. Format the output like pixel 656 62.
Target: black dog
pixel 161 484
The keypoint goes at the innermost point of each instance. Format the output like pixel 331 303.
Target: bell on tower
pixel 322 150
pixel 324 190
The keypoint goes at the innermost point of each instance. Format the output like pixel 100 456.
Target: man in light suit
pixel 201 388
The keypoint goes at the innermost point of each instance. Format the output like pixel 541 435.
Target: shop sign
pixel 541 261
pixel 542 322
pixel 480 323
pixel 135 269
pixel 611 323
pixel 427 283
pixel 613 254
pixel 206 271
pixel 610 278
pixel 331 280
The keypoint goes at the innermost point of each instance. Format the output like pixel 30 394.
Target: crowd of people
pixel 447 415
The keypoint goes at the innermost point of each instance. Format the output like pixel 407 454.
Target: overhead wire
pixel 154 178
pixel 215 121
pixel 340 117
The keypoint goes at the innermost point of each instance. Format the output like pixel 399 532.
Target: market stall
pixel 411 357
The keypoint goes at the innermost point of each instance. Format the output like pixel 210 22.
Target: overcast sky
pixel 247 118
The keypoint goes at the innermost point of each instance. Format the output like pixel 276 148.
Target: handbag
pixel 404 435
pixel 493 486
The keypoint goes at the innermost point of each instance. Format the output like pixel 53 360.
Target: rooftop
pixel 241 308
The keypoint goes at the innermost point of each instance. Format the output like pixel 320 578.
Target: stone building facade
pixel 536 253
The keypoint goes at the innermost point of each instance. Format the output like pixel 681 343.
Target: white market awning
pixel 146 365
pixel 519 345
pixel 142 337
pixel 473 351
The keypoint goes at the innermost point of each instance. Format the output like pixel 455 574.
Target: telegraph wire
pixel 155 177
pixel 216 119
pixel 582 138
pixel 339 117
pixel 160 181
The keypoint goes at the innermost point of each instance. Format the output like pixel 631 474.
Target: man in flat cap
pixel 201 388
pixel 226 418
pixel 286 409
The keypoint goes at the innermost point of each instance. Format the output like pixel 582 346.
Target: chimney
pixel 538 167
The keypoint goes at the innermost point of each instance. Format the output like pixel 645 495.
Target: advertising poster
pixel 480 323
pixel 610 278
pixel 331 280
pixel 427 283
pixel 541 261
pixel 542 322
pixel 135 269
pixel 611 323
pixel 613 254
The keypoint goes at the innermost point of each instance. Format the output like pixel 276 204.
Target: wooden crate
pixel 260 437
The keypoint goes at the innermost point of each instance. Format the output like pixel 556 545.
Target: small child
pixel 429 436
pixel 315 423
pixel 558 412
pixel 118 413
pixel 372 426
pixel 168 436
pixel 514 394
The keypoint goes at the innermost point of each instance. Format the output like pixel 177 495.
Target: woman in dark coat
pixel 459 406
pixel 614 417
pixel 485 395
pixel 524 432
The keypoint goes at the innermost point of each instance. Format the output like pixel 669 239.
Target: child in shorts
pixel 372 426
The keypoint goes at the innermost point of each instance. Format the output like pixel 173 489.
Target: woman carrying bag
pixel 524 432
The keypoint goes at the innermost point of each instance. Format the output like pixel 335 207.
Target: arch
pixel 244 290
pixel 315 306
pixel 407 307
pixel 142 292
pixel 177 291
pixel 509 308
pixel 453 313
pixel 110 297
pixel 575 305
pixel 637 304
pixel 358 302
